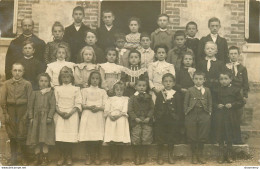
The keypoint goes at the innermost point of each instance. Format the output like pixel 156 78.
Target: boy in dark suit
pixel 74 34
pixel 191 41
pixel 106 32
pixel 228 101
pixel 240 81
pixel 214 26
pixel 197 108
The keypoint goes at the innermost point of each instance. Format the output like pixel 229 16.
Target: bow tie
pixel 209 62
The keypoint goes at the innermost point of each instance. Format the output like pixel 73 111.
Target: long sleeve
pixel 169 57
pixel 9 60
pixel 200 54
pixel 78 99
pixel 30 108
pixel 209 98
pixel 3 95
pixel 47 54
pixel 238 103
pixel 56 93
pixel 245 85
pixel 186 101
pixel 172 70
pixel 150 75
pixel 152 40
pixel 151 110
pixel 78 76
pixel 131 112
pixel 125 107
pixel 52 103
pixel 104 98
pixel 50 73
pixel 107 109
pixel 225 51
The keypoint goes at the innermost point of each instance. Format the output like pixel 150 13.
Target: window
pixel 8 19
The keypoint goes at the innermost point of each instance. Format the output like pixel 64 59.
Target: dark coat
pixel 75 39
pixel 14 52
pixel 140 107
pixel 222 54
pixel 40 107
pixel 106 38
pixel 193 44
pixel 224 117
pixel 193 96
pixel 183 78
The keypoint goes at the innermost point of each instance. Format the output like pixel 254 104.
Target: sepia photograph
pixel 142 83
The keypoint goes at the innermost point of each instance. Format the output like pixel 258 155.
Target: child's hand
pixel 95 109
pixel 146 120
pixel 49 120
pixel 67 115
pixel 228 105
pixel 138 120
pixel 220 106
pixel 183 90
pixel 112 118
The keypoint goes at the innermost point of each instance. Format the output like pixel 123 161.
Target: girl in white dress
pixel 86 66
pixel 68 105
pixel 53 69
pixel 111 70
pixel 157 69
pixel 117 126
pixel 92 123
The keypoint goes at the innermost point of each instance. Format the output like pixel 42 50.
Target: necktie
pixel 233 69
pixel 209 64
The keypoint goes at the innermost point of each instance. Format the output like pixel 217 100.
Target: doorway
pixel 147 11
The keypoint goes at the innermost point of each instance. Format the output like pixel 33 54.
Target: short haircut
pixel 119 84
pixel 179 33
pixel 234 48
pixel 62 46
pixel 134 19
pixel 168 75
pixel 143 78
pixel 199 73
pixel 191 23
pixel 120 36
pixel 112 49
pixel 134 51
pixel 161 46
pixel 91 31
pixel 81 59
pixel 108 11
pixel 29 42
pixel 79 8
pixel 90 76
pixel 17 63
pixel 44 75
pixel 163 14
pixel 145 34
pixel 191 54
pixel 213 19
pixel 57 24
pixel 25 19
pixel 227 72
pixel 212 43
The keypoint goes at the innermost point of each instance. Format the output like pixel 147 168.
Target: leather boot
pixel 61 159
pixel 136 155
pixel 45 160
pixel 193 153
pixel 221 157
pixel 88 154
pixel 24 161
pixel 160 155
pixel 200 153
pixel 171 159
pixel 97 154
pixel 36 161
pixel 143 155
pixel 229 154
pixel 112 154
pixel 119 155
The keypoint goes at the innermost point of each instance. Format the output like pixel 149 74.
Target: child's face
pixel 119 91
pixel 57 32
pixel 224 80
pixel 161 54
pixel 145 42
pixel 163 22
pixel 180 41
pixel 233 55
pixel 134 59
pixel 141 86
pixel 95 79
pixel 87 56
pixel 61 54
pixel 210 50
pixel 120 43
pixel 17 72
pixel 168 83
pixel 43 82
pixel 66 79
pixel 28 50
pixel 198 80
pixel 134 26
pixel 187 60
pixel 111 56
pixel 192 30
pixel 78 16
pixel 91 39
pixel 108 18
pixel 214 27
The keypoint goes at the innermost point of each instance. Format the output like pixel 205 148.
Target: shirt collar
pixel 60 61
pixel 163 30
pixel 199 88
pixel 46 90
pixel 16 81
pixel 214 35
pixel 213 58
pixel 28 57
pixel 188 37
pixel 27 36
pixel 109 27
pixel 137 93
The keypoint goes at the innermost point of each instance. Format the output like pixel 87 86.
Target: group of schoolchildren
pixel 165 89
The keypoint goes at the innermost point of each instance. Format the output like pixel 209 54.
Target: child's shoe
pixel 159 155
pixel 45 160
pixel 88 160
pixel 61 160
pixel 36 160
pixel 69 160
pixel 171 159
pixel 143 155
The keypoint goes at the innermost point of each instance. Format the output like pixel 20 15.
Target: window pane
pixel 6 18
pixel 254 22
